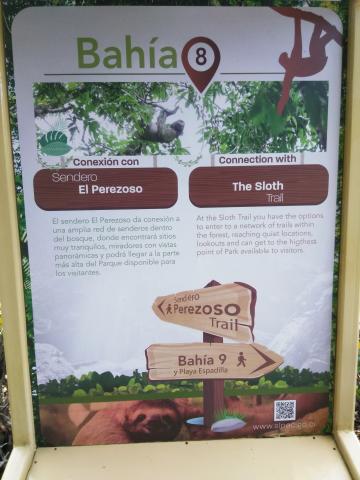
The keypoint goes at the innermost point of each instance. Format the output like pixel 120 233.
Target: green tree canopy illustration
pixel 233 117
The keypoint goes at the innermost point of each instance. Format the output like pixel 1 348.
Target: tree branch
pixel 42 110
pixel 166 110
pixel 310 17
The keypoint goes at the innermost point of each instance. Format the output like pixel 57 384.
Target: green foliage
pixel 225 414
pixel 149 388
pixel 129 107
pixel 95 384
pixel 248 122
pixel 79 392
pixel 121 390
pixel 234 117
pixel 241 385
pixel 106 380
pixel 134 387
pixel 264 384
pixel 161 387
pixel 97 391
pixel 358 378
pixel 283 384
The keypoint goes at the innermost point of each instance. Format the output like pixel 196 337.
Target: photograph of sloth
pixel 153 118
pixel 101 423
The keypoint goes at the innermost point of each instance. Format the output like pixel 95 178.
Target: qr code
pixel 284 410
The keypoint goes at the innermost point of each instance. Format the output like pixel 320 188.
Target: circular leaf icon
pixel 54 144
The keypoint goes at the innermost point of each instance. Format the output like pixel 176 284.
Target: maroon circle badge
pixel 201 58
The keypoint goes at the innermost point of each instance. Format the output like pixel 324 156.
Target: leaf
pixel 53 136
pixel 55 149
pixel 54 143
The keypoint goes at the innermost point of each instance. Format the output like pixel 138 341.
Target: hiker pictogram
pixel 241 360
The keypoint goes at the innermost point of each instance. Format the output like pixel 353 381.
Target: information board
pixel 179 175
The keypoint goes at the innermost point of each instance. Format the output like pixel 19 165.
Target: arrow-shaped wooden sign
pixel 178 361
pixel 225 310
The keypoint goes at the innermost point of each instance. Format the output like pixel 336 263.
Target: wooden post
pixel 214 400
pixel 213 390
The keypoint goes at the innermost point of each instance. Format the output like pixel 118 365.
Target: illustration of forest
pixel 106 386
pixel 171 118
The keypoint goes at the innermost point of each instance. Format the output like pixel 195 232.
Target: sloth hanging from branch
pixel 161 132
pixel 158 130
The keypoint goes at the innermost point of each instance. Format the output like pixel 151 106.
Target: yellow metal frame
pixel 349 287
pixel 11 291
pixel 334 457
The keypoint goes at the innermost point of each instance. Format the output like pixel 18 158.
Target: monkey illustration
pixel 141 421
pixel 161 132
pixel 296 65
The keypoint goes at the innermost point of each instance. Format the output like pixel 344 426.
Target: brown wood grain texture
pixel 213 390
pixel 159 188
pixel 298 185
pixel 180 308
pixel 210 360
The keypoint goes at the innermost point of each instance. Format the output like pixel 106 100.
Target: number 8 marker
pixel 200 57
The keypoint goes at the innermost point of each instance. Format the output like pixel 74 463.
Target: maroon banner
pixel 105 188
pixel 258 186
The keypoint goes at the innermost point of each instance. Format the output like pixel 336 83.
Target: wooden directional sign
pixel 225 310
pixel 210 361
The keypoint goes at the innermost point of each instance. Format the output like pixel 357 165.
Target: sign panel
pixel 105 189
pixel 199 360
pixel 224 310
pixel 151 160
pixel 258 186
